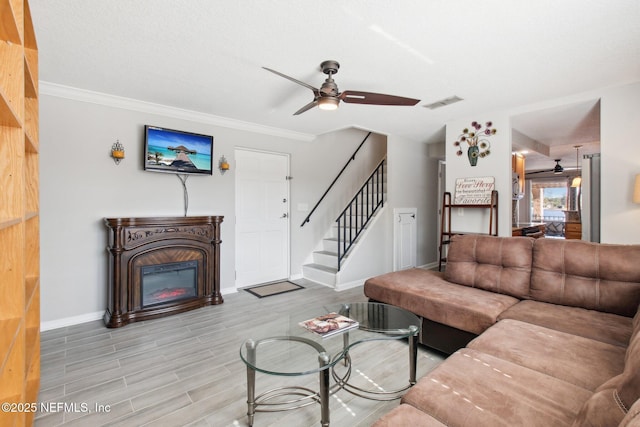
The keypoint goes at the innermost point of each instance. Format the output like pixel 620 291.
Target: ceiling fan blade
pixel 356 97
pixel 535 172
pixel 557 169
pixel 307 107
pixel 293 80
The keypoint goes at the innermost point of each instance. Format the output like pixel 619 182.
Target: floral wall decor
pixel 476 141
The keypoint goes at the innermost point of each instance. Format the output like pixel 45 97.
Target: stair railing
pixel 352 158
pixel 355 217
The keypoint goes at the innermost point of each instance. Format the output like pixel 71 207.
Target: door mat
pixel 276 288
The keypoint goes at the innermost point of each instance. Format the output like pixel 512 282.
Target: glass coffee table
pixel 284 348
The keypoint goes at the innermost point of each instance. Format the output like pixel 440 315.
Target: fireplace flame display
pixel 168 282
pixel 169 294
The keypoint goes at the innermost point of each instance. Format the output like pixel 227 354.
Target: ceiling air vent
pixel 443 102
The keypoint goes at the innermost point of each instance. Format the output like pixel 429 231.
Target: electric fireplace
pixel 168 282
pixel 161 266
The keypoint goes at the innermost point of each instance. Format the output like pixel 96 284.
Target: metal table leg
pixel 342 381
pixel 323 359
pixel 251 381
pixel 413 354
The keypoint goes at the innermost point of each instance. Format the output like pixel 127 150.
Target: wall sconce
pixel 636 190
pixel 117 152
pixel 223 165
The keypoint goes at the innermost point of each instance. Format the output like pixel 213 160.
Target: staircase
pixel 350 227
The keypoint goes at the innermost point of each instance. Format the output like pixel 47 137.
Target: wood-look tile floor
pixel 185 369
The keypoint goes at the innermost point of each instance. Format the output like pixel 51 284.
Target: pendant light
pixel 577 181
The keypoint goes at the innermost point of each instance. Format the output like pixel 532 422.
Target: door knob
pixel 284 215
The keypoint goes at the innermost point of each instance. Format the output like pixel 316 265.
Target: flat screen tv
pixel 174 151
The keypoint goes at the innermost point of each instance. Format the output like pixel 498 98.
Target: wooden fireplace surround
pixel 138 242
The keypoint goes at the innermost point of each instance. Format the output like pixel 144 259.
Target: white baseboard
pixel 70 321
pixel 430 266
pixel 349 285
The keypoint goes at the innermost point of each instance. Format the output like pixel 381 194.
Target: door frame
pixel 287 206
pixel 442 187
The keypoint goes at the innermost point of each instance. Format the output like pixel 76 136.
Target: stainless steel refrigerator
pixel 590 197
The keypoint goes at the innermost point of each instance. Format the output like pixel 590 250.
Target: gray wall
pixel 80 185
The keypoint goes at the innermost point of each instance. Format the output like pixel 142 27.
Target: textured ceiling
pixel 206 56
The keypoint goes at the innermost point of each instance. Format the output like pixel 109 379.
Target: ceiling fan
pixel 328 96
pixel 557 169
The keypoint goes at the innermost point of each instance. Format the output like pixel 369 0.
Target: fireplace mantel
pixel 138 243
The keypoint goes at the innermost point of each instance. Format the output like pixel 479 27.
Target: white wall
pixel 313 170
pixel 620 159
pixel 497 165
pixel 413 183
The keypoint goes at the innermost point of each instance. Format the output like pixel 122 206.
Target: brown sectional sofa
pixel 543 332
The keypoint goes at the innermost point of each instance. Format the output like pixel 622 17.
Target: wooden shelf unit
pixel 19 213
pixel 446 231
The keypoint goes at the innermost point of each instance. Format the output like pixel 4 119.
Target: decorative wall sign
pixel 474 191
pixel 476 140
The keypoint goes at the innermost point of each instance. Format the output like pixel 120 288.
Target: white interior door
pixel 262 217
pixel 404 236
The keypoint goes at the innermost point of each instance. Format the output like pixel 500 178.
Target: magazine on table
pixel 329 324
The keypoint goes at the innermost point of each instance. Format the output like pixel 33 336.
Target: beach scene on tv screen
pixel 176 151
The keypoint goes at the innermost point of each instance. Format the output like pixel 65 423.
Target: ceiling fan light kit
pixel 328 97
pixel 328 103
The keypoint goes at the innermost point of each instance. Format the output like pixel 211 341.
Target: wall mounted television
pixel 175 151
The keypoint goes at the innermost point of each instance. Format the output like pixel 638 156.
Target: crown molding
pixel 83 95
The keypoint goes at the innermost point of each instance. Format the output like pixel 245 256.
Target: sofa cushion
pixel 427 294
pixel 614 399
pixel 472 388
pixel 636 323
pixel 580 361
pixel 497 264
pixel 600 411
pixel 629 386
pixel 407 415
pixel 605 327
pixel 596 276
pixel 632 419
